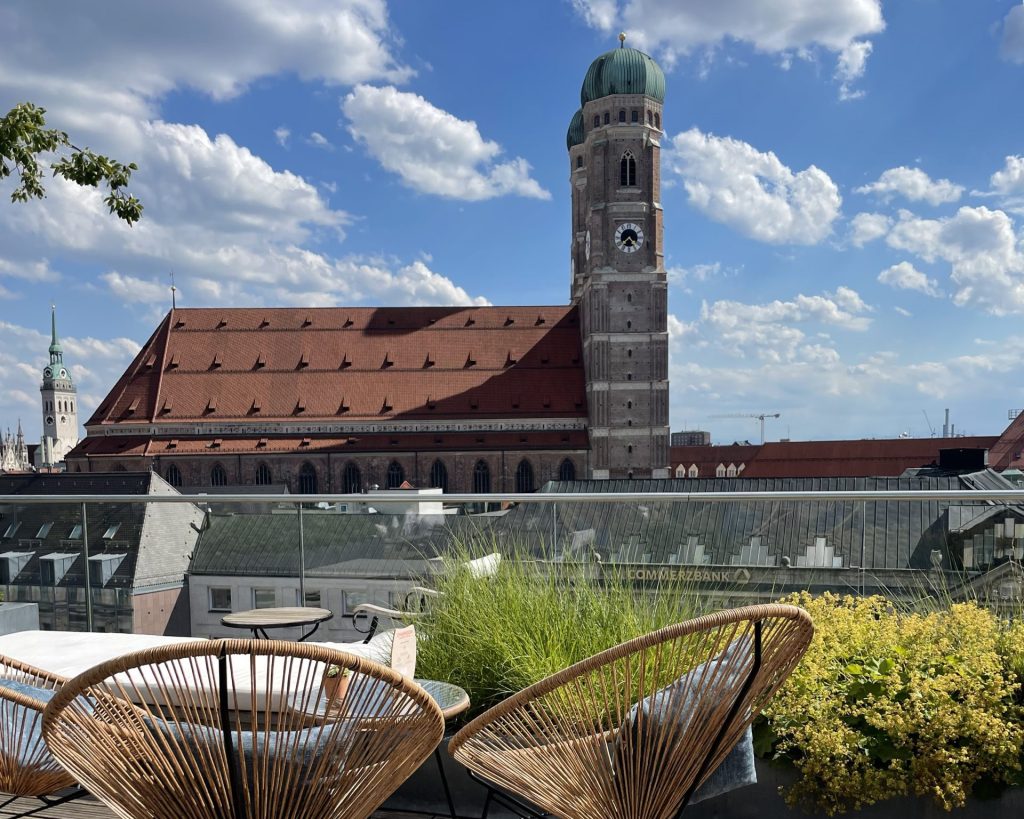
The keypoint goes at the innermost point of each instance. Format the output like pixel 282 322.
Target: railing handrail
pixel 388 498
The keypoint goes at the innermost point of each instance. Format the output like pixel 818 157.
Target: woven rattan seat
pixel 241 728
pixel 632 732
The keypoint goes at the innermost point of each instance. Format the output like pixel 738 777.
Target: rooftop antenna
pixel 622 39
pixel 174 290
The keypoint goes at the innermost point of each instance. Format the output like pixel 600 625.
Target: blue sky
pixel 843 186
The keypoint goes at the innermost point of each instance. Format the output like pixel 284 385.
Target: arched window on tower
pixel 173 475
pixel 597 120
pixel 524 476
pixel 579 162
pixel 218 477
pixel 622 115
pixel 657 120
pixel 307 479
pixel 634 116
pixel 567 471
pixel 607 117
pixel 627 170
pixel 481 478
pixel 351 479
pixel 650 118
pixel 396 475
pixel 263 476
pixel 439 476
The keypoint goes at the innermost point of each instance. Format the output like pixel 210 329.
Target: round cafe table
pixel 259 620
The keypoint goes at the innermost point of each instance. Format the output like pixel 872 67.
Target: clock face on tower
pixel 63 373
pixel 47 373
pixel 49 419
pixel 629 237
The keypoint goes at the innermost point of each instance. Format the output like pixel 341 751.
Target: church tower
pixel 618 264
pixel 60 406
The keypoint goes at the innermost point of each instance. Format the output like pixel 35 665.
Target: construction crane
pixel 760 416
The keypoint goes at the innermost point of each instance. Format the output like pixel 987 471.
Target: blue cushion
pixel 737 769
pixel 26 722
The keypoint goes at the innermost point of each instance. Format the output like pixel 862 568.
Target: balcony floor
pixel 89 808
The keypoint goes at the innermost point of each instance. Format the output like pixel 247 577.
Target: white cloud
pixel 915 185
pixel 37 271
pixel 753 192
pixel 903 312
pixel 784 27
pixel 1012 46
pixel 866 227
pixel 320 141
pixel 985 253
pixel 431 150
pixel 133 289
pixel 281 134
pixel 1009 181
pixel 904 276
pixel 850 67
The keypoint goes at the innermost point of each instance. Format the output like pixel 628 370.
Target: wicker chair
pixel 240 729
pixel 633 731
pixel 27 769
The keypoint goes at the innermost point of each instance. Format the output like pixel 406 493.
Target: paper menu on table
pixel 403 651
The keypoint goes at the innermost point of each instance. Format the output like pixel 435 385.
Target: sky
pixel 843 186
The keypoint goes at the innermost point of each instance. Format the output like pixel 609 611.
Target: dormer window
pixel 627 170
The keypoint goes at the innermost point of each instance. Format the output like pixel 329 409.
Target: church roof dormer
pixel 623 71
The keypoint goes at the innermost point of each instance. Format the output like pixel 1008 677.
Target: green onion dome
pixel 575 135
pixel 623 71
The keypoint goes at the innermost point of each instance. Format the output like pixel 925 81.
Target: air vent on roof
pixel 179 323
pixel 391 321
pixel 173 362
pixel 211 405
pixel 509 320
pixel 303 360
pixel 387 361
pixel 222 323
pixel 345 363
pixel 256 406
pixel 544 359
pixel 431 321
pixel 261 361
pixel 215 443
pixel 307 321
pixel 300 405
pixel 342 407
pixel 134 405
pixel 509 360
pixel 166 408
pixel 474 403
pixel 264 322
pixel 261 443
pixel 428 362
pixel 470 321
pixel 470 361
pixel 386 406
pixel 540 320
pixel 216 361
pixel 172 444
pixel 150 362
pixel 348 323
pixel 304 442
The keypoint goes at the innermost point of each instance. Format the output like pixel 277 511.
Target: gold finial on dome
pixel 622 39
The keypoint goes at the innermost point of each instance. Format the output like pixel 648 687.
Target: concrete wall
pixel 18 617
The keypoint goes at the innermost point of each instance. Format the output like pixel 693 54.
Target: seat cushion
pixel 24 723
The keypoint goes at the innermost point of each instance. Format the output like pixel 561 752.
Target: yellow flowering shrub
pixel 888 703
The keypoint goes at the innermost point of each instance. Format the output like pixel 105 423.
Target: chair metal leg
pixel 506 800
pixel 48 802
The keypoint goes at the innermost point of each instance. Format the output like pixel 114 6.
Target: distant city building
pixel 695 437
pixel 14 456
pixel 464 399
pixel 59 407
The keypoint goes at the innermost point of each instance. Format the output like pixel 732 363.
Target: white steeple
pixel 60 406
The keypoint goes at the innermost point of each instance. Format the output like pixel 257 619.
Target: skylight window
pixel 111 531
pixel 44 530
pixel 12 529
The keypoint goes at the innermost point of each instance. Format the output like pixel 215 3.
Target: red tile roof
pixel 824 459
pixel 275 364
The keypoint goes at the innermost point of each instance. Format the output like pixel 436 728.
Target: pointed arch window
pixel 597 120
pixel 481 478
pixel 218 477
pixel 307 479
pixel 627 170
pixel 396 475
pixel 173 475
pixel 657 120
pixel 607 117
pixel 567 471
pixel 524 476
pixel 263 476
pixel 579 162
pixel 439 475
pixel 351 479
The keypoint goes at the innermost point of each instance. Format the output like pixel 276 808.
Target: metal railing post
pixel 88 578
pixel 302 559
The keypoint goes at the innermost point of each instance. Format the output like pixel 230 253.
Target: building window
pixel 311 599
pixel 680 471
pixel 567 471
pixel 622 115
pixel 524 476
pixel 481 478
pixel 657 120
pixel 579 162
pixel 439 476
pixel 634 116
pixel 351 479
pixel 264 598
pixel 694 472
pixel 396 475
pixel 627 170
pixel 218 477
pixel 597 120
pixel 220 599
pixel 720 471
pixel 263 476
pixel 307 480
pixel 607 117
pixel 650 118
pixel 629 449
pixel 173 475
pixel 730 471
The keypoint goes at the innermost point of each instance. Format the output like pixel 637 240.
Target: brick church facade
pixel 470 399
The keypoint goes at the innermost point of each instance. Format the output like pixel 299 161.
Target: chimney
pixel 945 426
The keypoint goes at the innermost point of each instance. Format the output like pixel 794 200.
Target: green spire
pixel 56 351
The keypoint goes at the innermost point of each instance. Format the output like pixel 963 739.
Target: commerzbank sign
pixel 691 574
